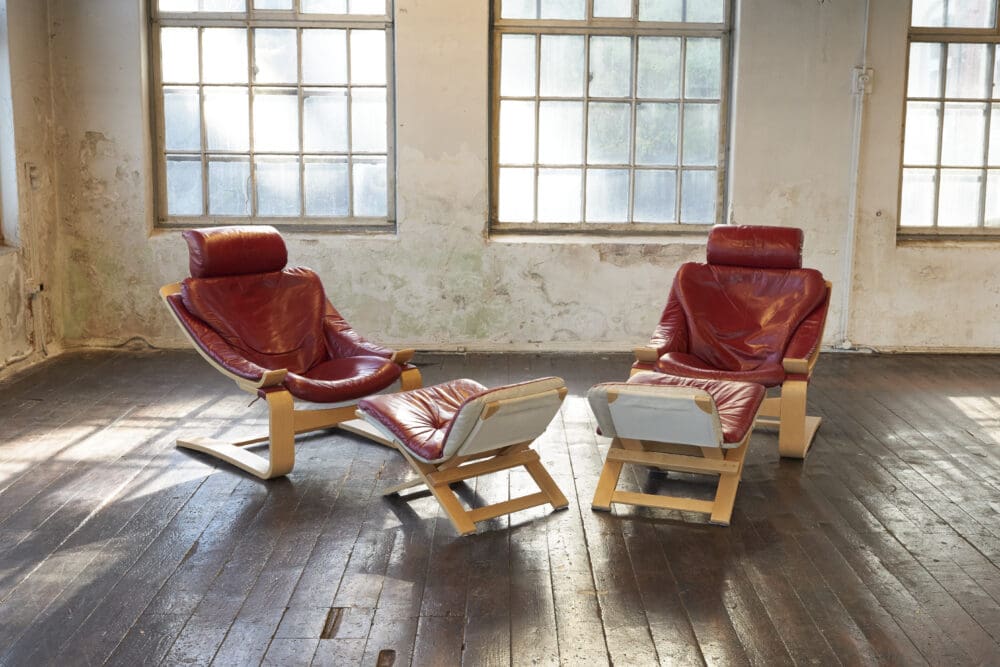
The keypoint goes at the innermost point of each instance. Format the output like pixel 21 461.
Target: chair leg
pixel 725 493
pixel 796 430
pixel 608 482
pixel 548 485
pixel 281 449
pixel 410 379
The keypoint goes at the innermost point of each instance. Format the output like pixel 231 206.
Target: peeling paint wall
pixel 27 331
pixel 441 283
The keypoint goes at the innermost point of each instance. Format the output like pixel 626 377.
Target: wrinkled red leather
pixel 678 363
pixel 344 341
pixel 235 250
pixel 808 335
pixel 272 319
pixel 421 419
pixel 212 343
pixel 671 333
pixel 755 246
pixel 344 379
pixel 741 319
pixel 736 402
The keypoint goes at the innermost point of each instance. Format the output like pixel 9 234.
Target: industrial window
pixel 608 114
pixel 274 111
pixel 951 147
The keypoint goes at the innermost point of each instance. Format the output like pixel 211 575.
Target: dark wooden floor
pixel 117 548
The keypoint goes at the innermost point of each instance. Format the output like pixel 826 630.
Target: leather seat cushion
pixel 420 419
pixel 736 402
pixel 769 374
pixel 345 379
pixel 273 319
pixel 741 319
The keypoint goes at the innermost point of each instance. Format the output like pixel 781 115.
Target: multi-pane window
pixel 608 113
pixel 951 145
pixel 273 110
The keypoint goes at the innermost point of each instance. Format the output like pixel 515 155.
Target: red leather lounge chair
pixel 751 314
pixel 273 332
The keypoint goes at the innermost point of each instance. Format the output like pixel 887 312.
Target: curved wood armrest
pixel 646 355
pixel 271 378
pixel 402 356
pixel 797 366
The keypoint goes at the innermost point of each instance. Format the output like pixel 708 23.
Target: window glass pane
pixel 661 10
pixel 326 187
pixel 703 68
pixel 962 143
pixel 920 144
pixel 179 55
pixel 276 56
pixel 994 147
pixel 324 114
pixel 278 186
pixel 183 186
pixel 368 57
pixel 610 66
pixel 229 187
pixel 656 134
pixel 519 9
pixel 958 201
pixel 227 119
pixel 516 195
pixel 659 67
pixel 917 203
pixel 560 133
pixel 992 218
pixel 181 119
pixel 223 5
pixel 608 133
pixel 517 132
pixel 954 13
pixel 224 55
pixel 324 56
pixel 375 7
pixel 564 9
pixel 655 194
pixel 276 121
pixel 559 195
pixel 368 120
pixel 701 134
pixel 517 65
pixel 324 6
pixel 272 4
pixel 178 5
pixel 562 66
pixel 704 11
pixel 925 70
pixel 698 194
pixel 613 8
pixel 607 195
pixel 370 188
pixel 968 71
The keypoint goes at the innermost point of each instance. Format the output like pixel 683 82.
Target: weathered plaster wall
pixel 26 186
pixel 440 283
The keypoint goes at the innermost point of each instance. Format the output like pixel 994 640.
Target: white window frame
pixel 250 19
pixel 947 36
pixel 627 27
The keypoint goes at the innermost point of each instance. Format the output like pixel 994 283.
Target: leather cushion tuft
pixel 755 246
pixel 235 250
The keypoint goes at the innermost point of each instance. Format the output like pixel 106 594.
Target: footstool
pixel 459 430
pixel 675 423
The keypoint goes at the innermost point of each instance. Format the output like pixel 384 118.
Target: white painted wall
pixel 441 283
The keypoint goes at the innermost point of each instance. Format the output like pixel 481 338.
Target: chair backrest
pixel 743 306
pixel 504 416
pixel 676 415
pixel 240 288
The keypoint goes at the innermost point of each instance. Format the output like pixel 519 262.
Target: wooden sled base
pixel 796 430
pixel 438 478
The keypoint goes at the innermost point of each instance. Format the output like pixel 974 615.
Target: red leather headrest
pixel 756 246
pixel 234 251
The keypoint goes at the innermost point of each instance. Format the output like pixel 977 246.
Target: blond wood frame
pixel 284 421
pixel 726 463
